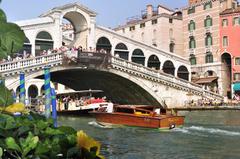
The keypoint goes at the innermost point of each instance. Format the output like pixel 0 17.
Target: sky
pixel 111 13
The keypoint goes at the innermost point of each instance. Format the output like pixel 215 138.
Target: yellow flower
pixel 16 107
pixel 83 140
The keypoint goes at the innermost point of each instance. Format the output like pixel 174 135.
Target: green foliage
pixel 11 36
pixel 32 136
pixel 6 98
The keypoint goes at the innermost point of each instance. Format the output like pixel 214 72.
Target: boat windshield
pixel 125 110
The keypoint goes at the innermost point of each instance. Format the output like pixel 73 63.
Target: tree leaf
pixel 3 17
pixel 5 95
pixel 11 144
pixel 11 39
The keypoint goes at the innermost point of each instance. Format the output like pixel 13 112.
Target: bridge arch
pixel 32 91
pixel 183 73
pixel 121 50
pixel 153 62
pixel 43 41
pixel 103 44
pixel 168 67
pixel 138 57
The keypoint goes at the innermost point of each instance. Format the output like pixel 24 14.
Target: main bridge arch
pixel 117 87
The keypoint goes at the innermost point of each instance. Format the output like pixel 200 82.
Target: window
pixel 208 21
pixel 207 5
pixel 170 20
pixel 208 40
pixel 193 60
pixel 236 21
pixel 224 22
pixel 171 47
pixel 191 25
pixel 225 41
pixel 236 76
pixel 209 57
pixel 132 28
pixel 123 30
pixel 237 61
pixel 192 43
pixel 142 25
pixel 191 10
pixel 154 21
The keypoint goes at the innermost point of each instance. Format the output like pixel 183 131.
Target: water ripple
pixel 192 129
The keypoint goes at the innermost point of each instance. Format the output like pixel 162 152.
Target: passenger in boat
pixel 110 108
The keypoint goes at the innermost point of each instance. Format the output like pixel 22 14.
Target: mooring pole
pixel 47 89
pixel 54 106
pixel 22 87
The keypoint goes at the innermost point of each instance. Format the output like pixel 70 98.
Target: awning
pixel 236 86
pixel 205 80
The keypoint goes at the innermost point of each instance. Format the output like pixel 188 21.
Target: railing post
pixel 47 89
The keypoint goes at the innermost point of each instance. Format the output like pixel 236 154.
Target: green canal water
pixel 205 135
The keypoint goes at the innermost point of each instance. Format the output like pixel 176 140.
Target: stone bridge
pixel 124 81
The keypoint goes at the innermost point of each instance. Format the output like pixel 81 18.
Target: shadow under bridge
pixel 116 88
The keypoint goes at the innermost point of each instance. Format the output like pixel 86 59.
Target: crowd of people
pixel 73 51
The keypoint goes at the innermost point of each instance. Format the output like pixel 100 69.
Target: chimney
pixel 149 10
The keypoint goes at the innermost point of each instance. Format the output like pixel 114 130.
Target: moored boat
pixel 140 116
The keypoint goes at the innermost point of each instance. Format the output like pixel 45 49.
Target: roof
pixel 70 5
pixel 164 7
pixel 230 11
pixel 205 80
pixel 35 21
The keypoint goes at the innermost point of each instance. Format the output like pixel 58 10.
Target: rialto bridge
pixel 133 73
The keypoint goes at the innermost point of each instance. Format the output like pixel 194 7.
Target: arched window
pixel 208 40
pixel 207 5
pixel 43 41
pixel 208 21
pixel 192 43
pixel 183 73
pixel 191 26
pixel 209 57
pixel 33 91
pixel 153 62
pixel 168 67
pixel 171 47
pixel 192 59
pixel 121 50
pixel 138 57
pixel 104 45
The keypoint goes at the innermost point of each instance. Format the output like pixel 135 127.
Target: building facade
pixel 201 28
pixel 157 27
pixel 229 40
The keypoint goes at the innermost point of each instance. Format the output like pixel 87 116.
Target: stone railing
pixel 163 77
pixel 31 63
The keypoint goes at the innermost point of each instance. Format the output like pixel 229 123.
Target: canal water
pixel 205 135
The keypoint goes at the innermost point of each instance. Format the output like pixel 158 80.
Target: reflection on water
pixel 205 135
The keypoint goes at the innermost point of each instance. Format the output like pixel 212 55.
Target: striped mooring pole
pixel 54 107
pixel 47 89
pixel 22 87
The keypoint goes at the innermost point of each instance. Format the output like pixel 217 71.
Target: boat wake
pixel 200 129
pixel 95 124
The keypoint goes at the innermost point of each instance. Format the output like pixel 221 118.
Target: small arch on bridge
pixel 121 50
pixel 18 92
pixel 43 42
pixel 42 91
pixel 183 73
pixel 153 62
pixel 103 44
pixel 33 91
pixel 168 67
pixel 27 47
pixel 138 57
pixel 227 73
